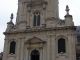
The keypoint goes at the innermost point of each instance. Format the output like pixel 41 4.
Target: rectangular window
pixel 12 47
pixel 61 46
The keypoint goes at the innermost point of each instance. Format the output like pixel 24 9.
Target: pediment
pixel 34 40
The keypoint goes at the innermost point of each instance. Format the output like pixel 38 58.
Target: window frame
pixel 10 48
pixel 62 46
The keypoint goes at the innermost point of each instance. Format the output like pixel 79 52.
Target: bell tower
pixel 34 12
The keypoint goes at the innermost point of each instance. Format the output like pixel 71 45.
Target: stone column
pixel 48 48
pixel 5 50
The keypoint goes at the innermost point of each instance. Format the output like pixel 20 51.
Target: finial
pixel 11 17
pixel 67 9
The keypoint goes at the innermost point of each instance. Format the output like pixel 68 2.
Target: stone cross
pixel 67 9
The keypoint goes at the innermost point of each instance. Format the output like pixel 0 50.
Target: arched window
pixel 12 47
pixel 61 45
pixel 36 19
pixel 35 55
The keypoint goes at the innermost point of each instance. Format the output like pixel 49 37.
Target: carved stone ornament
pixel 34 43
pixel 61 36
pixel 44 6
pixel 29 8
pixel 37 3
pixel 62 54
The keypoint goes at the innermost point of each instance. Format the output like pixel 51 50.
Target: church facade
pixel 39 33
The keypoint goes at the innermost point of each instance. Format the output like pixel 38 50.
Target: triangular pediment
pixel 35 40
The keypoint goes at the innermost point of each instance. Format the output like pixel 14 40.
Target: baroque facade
pixel 39 33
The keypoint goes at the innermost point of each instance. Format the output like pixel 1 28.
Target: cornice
pixel 52 18
pixel 39 30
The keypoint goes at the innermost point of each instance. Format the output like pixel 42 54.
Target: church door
pixel 35 55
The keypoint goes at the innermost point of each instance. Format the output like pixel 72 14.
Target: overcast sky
pixel 10 6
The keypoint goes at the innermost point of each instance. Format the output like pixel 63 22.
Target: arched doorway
pixel 35 55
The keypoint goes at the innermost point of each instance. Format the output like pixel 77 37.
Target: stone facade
pixel 43 38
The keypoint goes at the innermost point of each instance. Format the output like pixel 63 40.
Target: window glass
pixel 34 20
pixel 38 20
pixel 61 46
pixel 12 47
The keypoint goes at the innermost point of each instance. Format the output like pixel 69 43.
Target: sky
pixel 10 6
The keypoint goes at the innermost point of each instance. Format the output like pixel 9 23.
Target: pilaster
pixel 22 49
pixel 28 19
pixel 41 54
pixel 48 47
pixel 44 16
pixel 53 47
pixel 5 50
pixel 18 50
pixel 20 11
pixel 70 47
pixel 25 12
pixel 44 52
pixel 27 53
pixel 74 47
